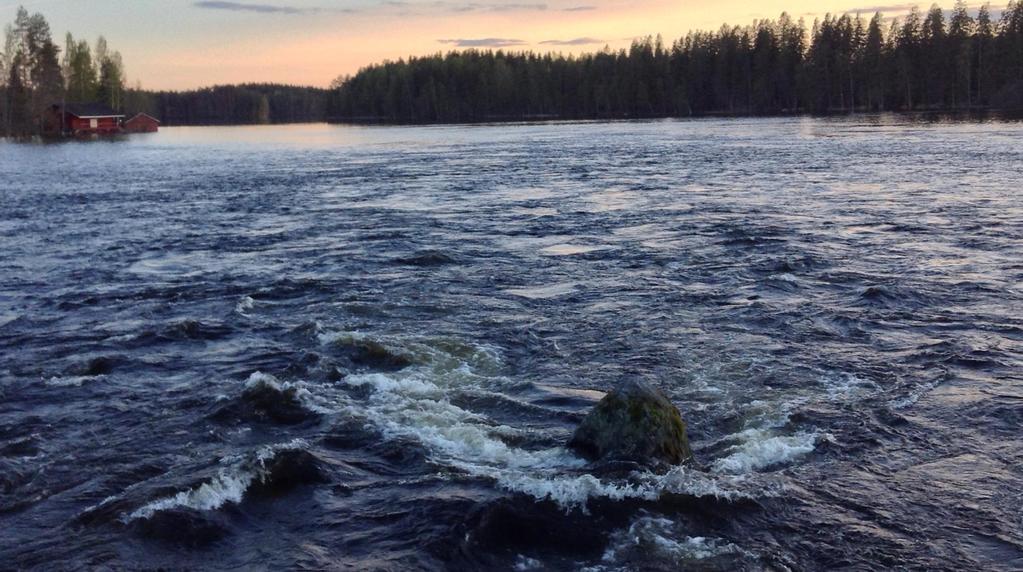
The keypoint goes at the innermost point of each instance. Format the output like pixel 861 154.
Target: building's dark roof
pixel 143 116
pixel 90 110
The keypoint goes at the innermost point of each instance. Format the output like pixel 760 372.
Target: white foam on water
pixel 657 539
pixel 758 448
pixel 327 338
pixel 524 563
pixel 384 383
pixel 466 441
pixel 574 490
pixel 309 400
pixel 260 380
pixel 546 291
pixel 71 381
pixel 244 305
pixel 658 535
pixel 414 404
pixel 844 386
pixel 229 486
pixel 915 395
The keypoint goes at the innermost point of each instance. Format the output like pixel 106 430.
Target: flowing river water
pixel 322 347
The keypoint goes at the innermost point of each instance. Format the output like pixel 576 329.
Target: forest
pixel 234 105
pixel 933 61
pixel 36 73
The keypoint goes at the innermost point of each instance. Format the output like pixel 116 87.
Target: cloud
pixel 903 8
pixel 894 11
pixel 579 9
pixel 245 7
pixel 445 6
pixel 405 6
pixel 477 7
pixel 483 42
pixel 573 42
pixel 884 8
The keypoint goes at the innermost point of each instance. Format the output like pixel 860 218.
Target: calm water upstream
pixel 322 347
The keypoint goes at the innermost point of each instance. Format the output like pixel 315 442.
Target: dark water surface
pixel 321 347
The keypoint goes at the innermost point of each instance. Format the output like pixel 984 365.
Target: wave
pixel 414 405
pixel 264 382
pixel 391 354
pixel 574 491
pixel 72 380
pixel 426 258
pixel 845 386
pixel 893 296
pixel 266 398
pixel 229 486
pixel 761 448
pixel 658 540
pixel 244 305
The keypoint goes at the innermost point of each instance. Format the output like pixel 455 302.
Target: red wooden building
pixel 84 119
pixel 142 123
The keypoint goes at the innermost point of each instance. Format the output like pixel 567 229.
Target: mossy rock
pixel 635 423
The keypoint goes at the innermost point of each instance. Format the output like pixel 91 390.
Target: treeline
pixel 34 73
pixel 841 64
pixel 234 105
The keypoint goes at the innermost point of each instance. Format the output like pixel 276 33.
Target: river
pixel 323 347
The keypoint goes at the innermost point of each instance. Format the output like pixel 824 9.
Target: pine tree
pixel 1011 40
pixel 934 58
pixel 19 122
pixel 984 42
pixel 960 35
pixel 47 81
pixel 873 64
pixel 908 55
pixel 6 65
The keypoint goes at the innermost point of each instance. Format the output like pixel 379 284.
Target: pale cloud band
pixel 402 6
pixel 512 42
pixel 483 42
pixel 245 7
pixel 573 42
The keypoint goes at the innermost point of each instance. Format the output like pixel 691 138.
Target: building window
pixel 93 123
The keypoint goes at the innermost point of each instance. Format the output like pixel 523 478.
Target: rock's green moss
pixel 637 423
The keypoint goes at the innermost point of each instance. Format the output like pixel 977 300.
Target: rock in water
pixel 266 399
pixel 634 423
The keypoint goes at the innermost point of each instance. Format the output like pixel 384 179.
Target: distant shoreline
pixel 922 116
pixel 978 114
pixel 1010 114
pixel 498 119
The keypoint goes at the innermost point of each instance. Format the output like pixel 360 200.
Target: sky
pixel 182 44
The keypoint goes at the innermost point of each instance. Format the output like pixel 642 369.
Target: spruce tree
pixel 960 35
